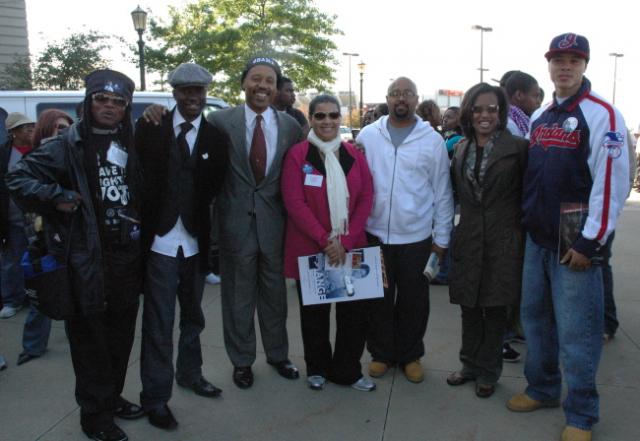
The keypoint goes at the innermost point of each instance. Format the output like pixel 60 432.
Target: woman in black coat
pixel 488 247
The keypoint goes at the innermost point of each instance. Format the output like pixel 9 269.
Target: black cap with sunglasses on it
pixel 107 80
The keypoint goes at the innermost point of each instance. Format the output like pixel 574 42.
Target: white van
pixel 33 102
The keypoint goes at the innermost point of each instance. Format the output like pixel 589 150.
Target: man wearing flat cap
pixel 184 159
pixel 85 185
pixel 577 172
pixel 13 241
pixel 252 221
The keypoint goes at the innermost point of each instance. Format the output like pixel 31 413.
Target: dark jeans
pixel 168 278
pixel 101 343
pixel 610 315
pixel 35 335
pixel 12 278
pixel 343 366
pixel 482 335
pixel 398 322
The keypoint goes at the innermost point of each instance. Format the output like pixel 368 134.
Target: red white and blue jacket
pixel 577 153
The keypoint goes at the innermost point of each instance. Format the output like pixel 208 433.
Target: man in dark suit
pixel 184 159
pixel 252 223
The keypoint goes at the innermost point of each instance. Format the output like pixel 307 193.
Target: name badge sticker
pixel 313 180
pixel 117 155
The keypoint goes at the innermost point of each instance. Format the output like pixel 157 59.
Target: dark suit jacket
pixel 152 144
pixel 241 199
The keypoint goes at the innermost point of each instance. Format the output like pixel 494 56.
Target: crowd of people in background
pixel 484 187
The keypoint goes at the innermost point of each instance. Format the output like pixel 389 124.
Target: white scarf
pixel 337 191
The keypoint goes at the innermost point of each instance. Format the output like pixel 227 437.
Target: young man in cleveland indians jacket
pixel 577 154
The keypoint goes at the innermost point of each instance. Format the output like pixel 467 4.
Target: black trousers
pixel 398 322
pixel 343 366
pixel 482 335
pixel 101 343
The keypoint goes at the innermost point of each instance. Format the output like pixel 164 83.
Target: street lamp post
pixel 139 17
pixel 482 30
pixel 349 54
pixel 615 56
pixel 361 67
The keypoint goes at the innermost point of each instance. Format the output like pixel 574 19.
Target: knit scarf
pixel 520 118
pixel 337 191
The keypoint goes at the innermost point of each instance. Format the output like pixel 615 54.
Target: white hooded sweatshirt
pixel 412 186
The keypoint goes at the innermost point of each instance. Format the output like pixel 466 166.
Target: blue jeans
pixel 12 278
pixel 610 314
pixel 35 336
pixel 562 315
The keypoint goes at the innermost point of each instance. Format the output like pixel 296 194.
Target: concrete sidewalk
pixel 37 399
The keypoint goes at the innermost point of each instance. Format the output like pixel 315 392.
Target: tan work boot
pixel 571 433
pixel 413 371
pixel 524 403
pixel 377 369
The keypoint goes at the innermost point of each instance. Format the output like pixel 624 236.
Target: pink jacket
pixel 308 220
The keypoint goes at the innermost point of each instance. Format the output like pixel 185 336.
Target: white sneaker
pixel 8 311
pixel 212 279
pixel 364 384
pixel 316 382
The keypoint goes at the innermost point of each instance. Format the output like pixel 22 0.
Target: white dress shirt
pixel 178 236
pixel 269 127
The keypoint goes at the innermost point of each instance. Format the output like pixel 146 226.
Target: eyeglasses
pixel 402 93
pixel 322 115
pixel 62 126
pixel 491 108
pixel 114 100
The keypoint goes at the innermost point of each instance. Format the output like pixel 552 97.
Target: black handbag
pixel 48 281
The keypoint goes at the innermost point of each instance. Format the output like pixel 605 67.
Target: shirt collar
pixel 179 119
pixel 269 115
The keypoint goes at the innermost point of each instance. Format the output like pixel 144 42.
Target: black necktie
pixel 181 140
pixel 258 152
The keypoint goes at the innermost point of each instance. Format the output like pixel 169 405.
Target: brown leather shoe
pixel 377 369
pixel 413 371
pixel 524 403
pixel 571 433
pixel 485 390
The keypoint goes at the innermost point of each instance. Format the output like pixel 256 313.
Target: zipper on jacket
pixel 393 180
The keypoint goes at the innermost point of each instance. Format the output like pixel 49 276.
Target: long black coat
pixel 488 246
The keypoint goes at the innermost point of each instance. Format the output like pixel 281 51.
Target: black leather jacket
pixel 51 174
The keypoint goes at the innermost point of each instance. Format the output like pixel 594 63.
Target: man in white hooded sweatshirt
pixel 411 217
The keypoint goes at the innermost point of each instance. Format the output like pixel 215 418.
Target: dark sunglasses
pixel 323 115
pixel 104 99
pixel 491 108
pixel 62 126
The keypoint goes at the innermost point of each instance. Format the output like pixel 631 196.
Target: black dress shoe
pixel 286 369
pixel 25 358
pixel 243 377
pixel 111 433
pixel 162 418
pixel 127 410
pixel 202 387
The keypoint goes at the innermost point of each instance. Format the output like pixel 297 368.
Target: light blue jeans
pixel 562 316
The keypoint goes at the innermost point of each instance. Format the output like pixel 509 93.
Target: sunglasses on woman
pixel 114 100
pixel 322 115
pixel 491 108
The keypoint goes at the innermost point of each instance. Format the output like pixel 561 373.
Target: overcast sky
pixel 425 41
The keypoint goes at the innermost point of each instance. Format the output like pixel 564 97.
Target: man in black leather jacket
pixel 84 184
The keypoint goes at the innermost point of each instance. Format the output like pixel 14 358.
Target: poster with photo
pixel 359 278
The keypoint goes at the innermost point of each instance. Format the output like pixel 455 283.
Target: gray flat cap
pixel 190 74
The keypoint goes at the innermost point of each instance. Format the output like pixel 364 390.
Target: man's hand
pixel 335 252
pixel 153 113
pixel 439 251
pixel 576 261
pixel 70 205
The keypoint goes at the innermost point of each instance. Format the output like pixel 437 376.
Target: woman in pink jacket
pixel 328 193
